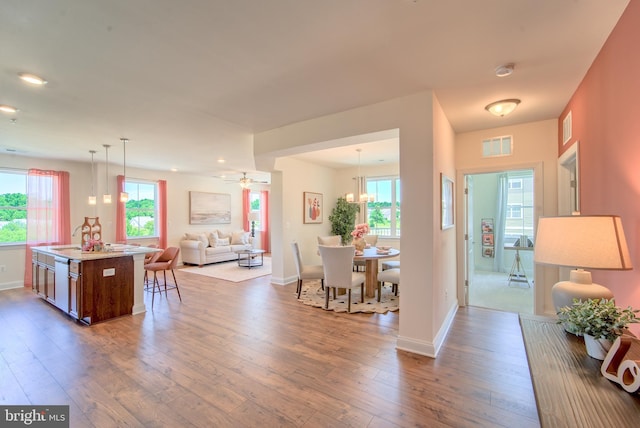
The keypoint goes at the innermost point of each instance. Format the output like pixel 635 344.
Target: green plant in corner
pixel 600 318
pixel 343 218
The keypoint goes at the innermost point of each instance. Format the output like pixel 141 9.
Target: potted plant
pixel 342 218
pixel 600 321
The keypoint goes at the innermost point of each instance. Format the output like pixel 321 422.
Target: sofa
pixel 213 247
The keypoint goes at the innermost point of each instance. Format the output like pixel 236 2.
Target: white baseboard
pixel 428 349
pixel 283 281
pixel 11 285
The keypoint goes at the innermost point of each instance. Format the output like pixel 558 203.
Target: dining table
pixel 371 256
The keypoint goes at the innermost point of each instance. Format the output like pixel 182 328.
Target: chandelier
pixel 361 184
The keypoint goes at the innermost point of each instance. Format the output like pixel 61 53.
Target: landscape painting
pixel 209 208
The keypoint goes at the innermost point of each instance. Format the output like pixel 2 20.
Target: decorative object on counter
pixel 94 245
pixel 621 364
pixel 91 231
pixel 342 218
pixel 581 242
pixel 600 321
pixel 358 235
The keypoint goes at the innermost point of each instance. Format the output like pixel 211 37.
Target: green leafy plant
pixel 342 218
pixel 600 318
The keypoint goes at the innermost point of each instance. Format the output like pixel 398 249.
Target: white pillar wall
pixel 427 301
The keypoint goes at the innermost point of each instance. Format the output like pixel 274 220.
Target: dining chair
pixel 332 240
pixel 166 261
pixel 390 264
pixel 305 271
pixel 389 275
pixel 337 263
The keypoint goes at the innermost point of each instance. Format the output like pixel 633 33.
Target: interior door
pixel 469 236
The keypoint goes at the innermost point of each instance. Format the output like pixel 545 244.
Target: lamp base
pixel 579 287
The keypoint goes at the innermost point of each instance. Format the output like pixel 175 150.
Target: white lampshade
pixel 591 242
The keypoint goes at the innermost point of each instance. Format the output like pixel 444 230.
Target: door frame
pixel 462 250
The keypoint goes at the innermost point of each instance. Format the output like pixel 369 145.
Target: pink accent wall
pixel 606 121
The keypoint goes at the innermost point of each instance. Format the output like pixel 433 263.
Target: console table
pixel 569 388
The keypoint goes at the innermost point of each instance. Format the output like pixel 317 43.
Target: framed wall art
pixel 209 208
pixel 312 207
pixel 446 203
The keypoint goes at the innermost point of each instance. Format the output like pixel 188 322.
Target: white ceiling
pixel 190 81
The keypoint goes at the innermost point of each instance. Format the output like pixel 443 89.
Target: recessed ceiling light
pixel 505 70
pixel 221 160
pixel 502 107
pixel 7 109
pixel 32 78
pixel 174 169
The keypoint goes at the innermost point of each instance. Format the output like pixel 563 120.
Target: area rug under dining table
pixel 230 271
pixel 313 295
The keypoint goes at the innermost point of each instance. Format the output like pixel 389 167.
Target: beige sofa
pixel 213 247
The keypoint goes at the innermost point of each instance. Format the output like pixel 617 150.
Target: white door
pixel 469 236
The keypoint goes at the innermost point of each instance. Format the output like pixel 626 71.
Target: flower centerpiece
pixel 358 236
pixel 93 245
pixel 600 321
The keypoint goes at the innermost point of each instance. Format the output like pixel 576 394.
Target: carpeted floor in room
pixel 492 290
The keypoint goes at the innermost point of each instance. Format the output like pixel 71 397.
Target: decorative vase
pixel 359 243
pixel 597 348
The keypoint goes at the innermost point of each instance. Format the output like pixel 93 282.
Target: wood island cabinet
pixel 90 290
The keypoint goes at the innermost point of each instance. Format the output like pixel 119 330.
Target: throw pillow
pixel 222 242
pixel 222 234
pixel 238 238
pixel 212 238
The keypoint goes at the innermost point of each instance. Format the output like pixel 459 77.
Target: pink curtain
pixel 246 208
pixel 48 218
pixel 121 213
pixel 264 221
pixel 162 214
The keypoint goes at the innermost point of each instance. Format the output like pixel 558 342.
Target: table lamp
pixel 581 242
pixel 253 217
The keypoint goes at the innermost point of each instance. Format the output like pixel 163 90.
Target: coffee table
pixel 249 258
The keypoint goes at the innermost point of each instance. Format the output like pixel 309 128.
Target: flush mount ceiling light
pixel 7 109
pixel 502 107
pixel 504 70
pixel 32 78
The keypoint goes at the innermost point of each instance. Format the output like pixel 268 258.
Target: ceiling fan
pixel 245 182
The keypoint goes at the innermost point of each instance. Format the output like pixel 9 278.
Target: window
pixel 384 214
pixel 254 200
pixel 13 207
pixel 514 211
pixel 141 208
pixel 497 146
pixel 515 183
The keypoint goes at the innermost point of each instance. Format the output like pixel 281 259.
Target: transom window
pixel 13 207
pixel 141 208
pixel 383 215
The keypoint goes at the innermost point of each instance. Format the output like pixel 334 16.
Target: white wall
pixel 178 187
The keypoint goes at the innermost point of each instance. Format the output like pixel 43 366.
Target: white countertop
pixel 75 251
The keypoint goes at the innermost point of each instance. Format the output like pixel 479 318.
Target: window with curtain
pixel 519 216
pixel 254 205
pixel 13 207
pixel 383 215
pixel 141 209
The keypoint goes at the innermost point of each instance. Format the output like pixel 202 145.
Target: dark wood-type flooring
pixel 250 355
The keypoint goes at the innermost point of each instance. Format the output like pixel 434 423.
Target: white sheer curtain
pixel 501 218
pixel 48 219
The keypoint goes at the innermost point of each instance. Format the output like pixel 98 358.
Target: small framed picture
pixel 312 207
pixel 446 204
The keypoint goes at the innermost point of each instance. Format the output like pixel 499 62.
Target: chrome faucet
pixel 76 230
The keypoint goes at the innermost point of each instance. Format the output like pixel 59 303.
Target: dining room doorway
pixel 500 217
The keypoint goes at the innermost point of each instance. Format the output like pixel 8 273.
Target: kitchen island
pixel 91 286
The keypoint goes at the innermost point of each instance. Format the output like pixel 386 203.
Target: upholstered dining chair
pixel 390 264
pixel 305 271
pixel 166 261
pixel 389 275
pixel 332 240
pixel 337 263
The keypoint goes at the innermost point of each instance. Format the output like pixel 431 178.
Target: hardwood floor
pixel 248 354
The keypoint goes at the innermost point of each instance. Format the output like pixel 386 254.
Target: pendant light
pixel 92 197
pixel 363 198
pixel 106 198
pixel 124 196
